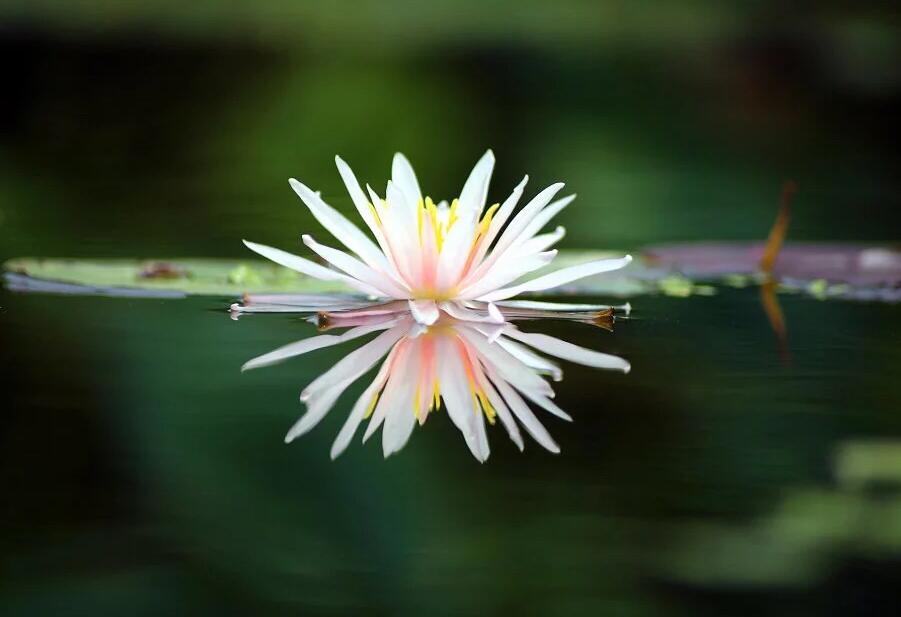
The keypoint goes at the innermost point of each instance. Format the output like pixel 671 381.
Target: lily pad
pixel 821 271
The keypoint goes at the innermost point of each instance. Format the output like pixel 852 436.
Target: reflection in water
pixel 477 371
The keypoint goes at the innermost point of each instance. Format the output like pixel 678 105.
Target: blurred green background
pixel 170 128
pixel 142 474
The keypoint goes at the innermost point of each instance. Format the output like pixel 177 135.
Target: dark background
pixel 170 128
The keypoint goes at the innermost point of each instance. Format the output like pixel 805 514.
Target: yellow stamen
pixel 452 217
pixel 436 393
pixel 419 208
pixel 487 407
pixel 369 410
pixel 375 214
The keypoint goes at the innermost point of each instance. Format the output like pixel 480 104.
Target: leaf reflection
pixel 478 372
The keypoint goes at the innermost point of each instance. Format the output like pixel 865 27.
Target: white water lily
pixel 480 371
pixel 456 258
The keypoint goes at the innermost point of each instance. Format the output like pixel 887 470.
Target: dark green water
pixel 144 474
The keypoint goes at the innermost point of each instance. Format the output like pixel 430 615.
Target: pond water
pixel 726 474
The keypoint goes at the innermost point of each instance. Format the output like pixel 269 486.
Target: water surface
pixel 145 474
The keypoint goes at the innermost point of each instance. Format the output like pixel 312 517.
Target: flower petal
pixel 404 177
pixel 506 272
pixel 560 277
pixel 567 351
pixel 525 415
pixel 346 434
pixel 513 231
pixel 497 222
pixel 307 345
pixel 305 266
pixel 354 364
pixel 357 269
pixel 475 190
pixel 424 311
pixel 339 226
pixel 458 311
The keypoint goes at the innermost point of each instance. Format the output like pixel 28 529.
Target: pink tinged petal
pixel 338 225
pixel 394 381
pixel 475 190
pixel 458 311
pixel 404 177
pixel 258 307
pixel 455 250
pixel 506 365
pixel 399 227
pixel 354 364
pixel 567 351
pixel 383 308
pixel 456 395
pixel 401 415
pixel 525 415
pixel 506 272
pixel 514 229
pixel 305 266
pixel 424 312
pixel 346 434
pixel 334 321
pixel 310 344
pixel 357 269
pixel 313 301
pixel 560 277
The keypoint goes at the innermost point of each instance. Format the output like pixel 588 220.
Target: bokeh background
pixel 164 128
pixel 142 474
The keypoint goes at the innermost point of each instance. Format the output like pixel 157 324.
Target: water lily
pixel 459 258
pixel 478 372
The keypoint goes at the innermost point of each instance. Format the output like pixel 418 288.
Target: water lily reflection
pixel 478 372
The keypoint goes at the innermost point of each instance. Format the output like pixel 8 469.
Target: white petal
pixel 507 271
pixel 497 222
pixel 309 268
pixel 525 415
pixel 456 395
pixel 346 434
pixel 401 416
pixel 507 366
pixel 310 344
pixel 357 269
pixel 552 306
pixel 542 219
pixel 354 364
pixel 458 311
pixel 500 408
pixel 530 358
pixel 560 277
pixel 362 205
pixel 338 225
pixel 567 351
pixel 316 411
pixel 514 229
pixel 475 190
pixel 313 302
pixel 403 176
pixel 424 311
pixel 539 243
